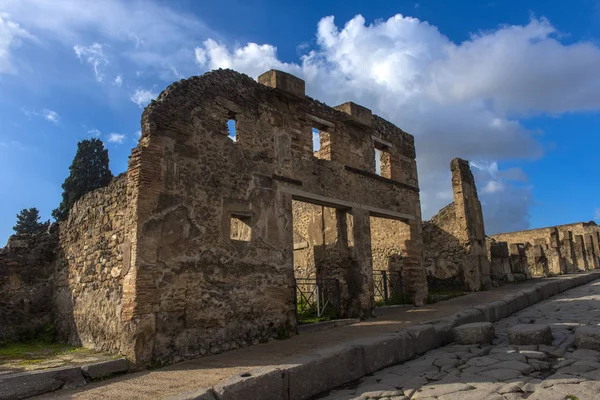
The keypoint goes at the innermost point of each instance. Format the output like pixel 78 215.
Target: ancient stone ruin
pixel 237 191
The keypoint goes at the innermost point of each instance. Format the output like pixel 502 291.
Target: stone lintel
pixel 283 81
pixel 358 114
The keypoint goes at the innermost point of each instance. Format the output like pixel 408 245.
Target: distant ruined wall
pixel 454 240
pixel 554 250
pixel 26 283
pixel 92 259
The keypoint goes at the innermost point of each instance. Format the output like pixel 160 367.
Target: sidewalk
pixel 207 372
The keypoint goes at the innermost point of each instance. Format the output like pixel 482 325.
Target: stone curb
pixel 321 326
pixel 27 384
pixel 312 374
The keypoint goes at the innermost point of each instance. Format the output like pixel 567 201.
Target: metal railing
pixel 317 299
pixel 388 287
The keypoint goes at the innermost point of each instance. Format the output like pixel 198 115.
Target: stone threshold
pixel 31 383
pixel 313 374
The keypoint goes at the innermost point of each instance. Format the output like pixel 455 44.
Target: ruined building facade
pixel 192 250
pixel 198 247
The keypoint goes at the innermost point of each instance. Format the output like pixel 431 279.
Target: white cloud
pixel 459 100
pixel 141 33
pixel 597 214
pixel 118 80
pixel 93 55
pixel 94 132
pixel 116 138
pixel 142 97
pixel 11 36
pixel 47 114
pixel 50 115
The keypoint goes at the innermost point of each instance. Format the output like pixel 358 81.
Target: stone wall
pixel 191 252
pixel 26 283
pixel 91 261
pixel 455 252
pixel 199 290
pixel 553 250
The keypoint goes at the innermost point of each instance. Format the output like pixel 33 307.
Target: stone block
pixel 27 384
pixel 530 334
pixel 310 375
pixel 105 369
pixel 588 337
pixel 261 383
pixel 469 316
pixel 565 284
pixel 532 295
pixel 383 351
pixel 488 312
pixel 202 394
pixel 500 309
pixel 548 289
pixel 283 81
pixel 358 114
pixel 423 338
pixel 474 333
pixel 443 330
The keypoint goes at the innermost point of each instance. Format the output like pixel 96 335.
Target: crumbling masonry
pixel 191 251
pixel 198 247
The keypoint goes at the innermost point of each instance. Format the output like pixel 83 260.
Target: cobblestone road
pixel 501 371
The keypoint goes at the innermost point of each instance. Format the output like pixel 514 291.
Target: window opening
pixel 231 130
pixel 240 228
pixel 316 141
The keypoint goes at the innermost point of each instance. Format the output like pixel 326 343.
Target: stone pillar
pixel 581 260
pixel 567 252
pixel 540 254
pixel 589 251
pixel 500 262
pixel 360 275
pixel 414 277
pixel 596 242
pixel 469 215
pixel 518 262
pixel 556 264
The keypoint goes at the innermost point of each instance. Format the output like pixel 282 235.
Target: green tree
pixel 89 171
pixel 28 222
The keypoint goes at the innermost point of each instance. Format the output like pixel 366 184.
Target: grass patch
pixel 33 351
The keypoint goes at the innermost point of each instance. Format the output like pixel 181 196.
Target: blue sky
pixel 513 86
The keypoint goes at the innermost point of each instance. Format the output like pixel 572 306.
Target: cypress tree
pixel 89 171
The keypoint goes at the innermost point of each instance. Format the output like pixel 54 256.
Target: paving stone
pixel 588 337
pixel 474 333
pixel 575 369
pixel 440 390
pixel 534 354
pixel 531 385
pixel 530 334
pixel 441 362
pixel 503 374
pixel 520 366
pixel 557 379
pixel 584 355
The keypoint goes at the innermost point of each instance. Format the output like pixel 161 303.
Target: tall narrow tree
pixel 28 222
pixel 89 171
